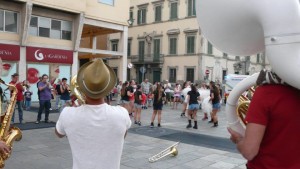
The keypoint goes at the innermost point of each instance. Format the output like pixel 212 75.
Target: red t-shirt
pixel 144 98
pixel 20 90
pixel 276 107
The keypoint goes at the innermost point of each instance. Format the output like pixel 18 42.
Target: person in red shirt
pixel 271 138
pixel 19 103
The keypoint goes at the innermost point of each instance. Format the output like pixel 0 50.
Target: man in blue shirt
pixel 45 97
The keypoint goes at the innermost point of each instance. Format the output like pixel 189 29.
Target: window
pixel 141 16
pixel 156 49
pixel 141 50
pixel 173 14
pixel 116 71
pixel 131 17
pixel 247 58
pixel 191 8
pixel 114 45
pixel 108 2
pixel 129 48
pixel 225 55
pixel 55 29
pixel 172 75
pixel 157 13
pixel 50 28
pixel 173 46
pixel 258 58
pixel 190 45
pixel 237 58
pixel 190 74
pixel 209 48
pixel 8 21
pixel 66 30
pixel 1 20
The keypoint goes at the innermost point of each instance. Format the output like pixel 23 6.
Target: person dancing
pixel 158 96
pixel 193 97
pixel 216 106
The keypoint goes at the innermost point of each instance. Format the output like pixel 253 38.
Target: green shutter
pixel 194 7
pixel 190 7
pixel 139 17
pixel 141 50
pixel 174 10
pixel 173 45
pixel 158 13
pixel 144 16
pixel 209 48
pixel 193 44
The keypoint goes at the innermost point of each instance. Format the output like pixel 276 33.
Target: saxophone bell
pixel 9 134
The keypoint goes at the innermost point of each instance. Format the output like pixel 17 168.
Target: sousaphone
pixel 243 28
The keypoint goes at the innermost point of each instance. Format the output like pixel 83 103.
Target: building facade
pixel 165 43
pixel 56 37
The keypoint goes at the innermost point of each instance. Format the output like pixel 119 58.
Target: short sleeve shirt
pixel 277 108
pixel 95 133
pixel 193 97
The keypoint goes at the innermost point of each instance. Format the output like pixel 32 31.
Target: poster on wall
pixel 7 70
pixel 54 72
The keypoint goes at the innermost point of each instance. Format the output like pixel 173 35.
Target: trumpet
pixel 80 98
pixel 172 150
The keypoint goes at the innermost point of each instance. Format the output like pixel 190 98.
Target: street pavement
pixel 205 147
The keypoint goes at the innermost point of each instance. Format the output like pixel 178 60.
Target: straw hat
pixel 96 79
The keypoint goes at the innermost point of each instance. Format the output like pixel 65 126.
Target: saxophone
pixel 9 134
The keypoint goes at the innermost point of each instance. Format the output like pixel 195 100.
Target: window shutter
pixel 190 7
pixel 139 17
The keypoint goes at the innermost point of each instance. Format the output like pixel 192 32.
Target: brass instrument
pixel 9 134
pixel 172 150
pixel 75 90
pixel 243 106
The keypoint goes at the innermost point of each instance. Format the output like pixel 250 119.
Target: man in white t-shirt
pixel 95 130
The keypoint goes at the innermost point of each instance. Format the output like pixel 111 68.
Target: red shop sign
pixel 10 52
pixel 35 54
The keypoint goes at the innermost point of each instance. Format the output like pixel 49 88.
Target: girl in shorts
pixel 138 105
pixel 192 97
pixel 215 99
pixel 158 97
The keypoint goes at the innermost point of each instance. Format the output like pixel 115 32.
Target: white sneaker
pixel 50 109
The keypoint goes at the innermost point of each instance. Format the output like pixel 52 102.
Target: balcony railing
pixel 147 59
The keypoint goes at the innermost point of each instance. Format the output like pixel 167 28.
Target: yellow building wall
pixel 66 5
pixel 118 13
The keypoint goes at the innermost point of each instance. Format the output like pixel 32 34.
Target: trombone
pixel 172 150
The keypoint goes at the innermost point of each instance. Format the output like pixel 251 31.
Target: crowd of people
pixel 136 97
pixel 47 90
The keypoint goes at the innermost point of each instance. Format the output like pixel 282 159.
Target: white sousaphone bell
pixel 243 28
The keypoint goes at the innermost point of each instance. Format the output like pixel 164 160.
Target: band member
pixel 15 81
pixel 4 148
pixel 95 130
pixel 271 120
pixel 271 139
pixel 44 88
pixel 65 94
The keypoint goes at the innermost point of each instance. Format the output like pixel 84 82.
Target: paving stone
pixel 40 148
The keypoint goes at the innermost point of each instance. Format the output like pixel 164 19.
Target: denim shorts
pixel 157 106
pixel 216 106
pixel 193 106
pixel 124 101
pixel 138 106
